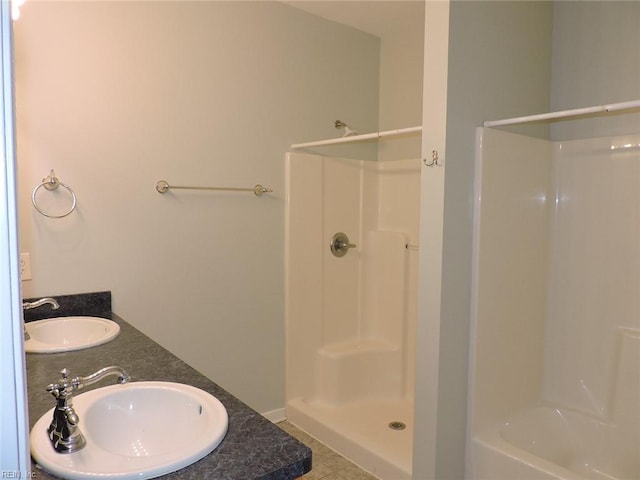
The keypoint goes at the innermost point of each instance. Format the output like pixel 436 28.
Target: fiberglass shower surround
pixel 556 314
pixel 351 317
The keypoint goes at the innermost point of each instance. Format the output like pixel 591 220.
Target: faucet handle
pixel 64 383
pixel 54 389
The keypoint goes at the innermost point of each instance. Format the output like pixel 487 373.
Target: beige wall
pixel 115 96
pixel 401 66
pixel 596 60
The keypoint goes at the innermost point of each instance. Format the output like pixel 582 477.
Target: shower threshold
pixel 360 431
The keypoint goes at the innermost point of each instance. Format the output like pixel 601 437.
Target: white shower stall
pixel 351 319
pixel 555 353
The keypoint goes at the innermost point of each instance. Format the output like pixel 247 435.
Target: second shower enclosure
pixel 352 231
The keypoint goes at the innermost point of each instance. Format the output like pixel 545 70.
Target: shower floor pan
pixel 361 432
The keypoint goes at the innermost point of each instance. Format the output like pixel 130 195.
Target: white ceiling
pixel 382 18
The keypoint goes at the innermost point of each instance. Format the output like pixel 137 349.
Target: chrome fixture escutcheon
pixel 340 244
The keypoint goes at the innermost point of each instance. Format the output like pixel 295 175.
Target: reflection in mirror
pixel 116 95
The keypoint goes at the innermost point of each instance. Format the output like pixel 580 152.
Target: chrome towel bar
pixel 162 187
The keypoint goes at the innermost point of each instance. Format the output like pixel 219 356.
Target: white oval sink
pixel 63 334
pixel 136 430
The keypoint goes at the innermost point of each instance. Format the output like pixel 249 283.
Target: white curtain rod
pixel 565 113
pixel 356 138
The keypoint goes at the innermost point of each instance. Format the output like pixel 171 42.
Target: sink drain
pixel 397 426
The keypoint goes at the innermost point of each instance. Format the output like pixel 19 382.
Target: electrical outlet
pixel 25 266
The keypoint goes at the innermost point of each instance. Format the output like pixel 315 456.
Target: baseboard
pixel 275 416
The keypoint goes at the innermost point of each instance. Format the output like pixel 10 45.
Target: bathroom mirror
pixel 117 95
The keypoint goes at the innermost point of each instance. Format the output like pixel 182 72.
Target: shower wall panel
pixel 359 308
pixel 595 270
pixel 350 320
pixel 342 198
pixel 510 279
pixel 384 286
pixel 304 241
pixel 556 307
pixel 399 211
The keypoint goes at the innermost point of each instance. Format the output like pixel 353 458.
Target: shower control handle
pixel 340 244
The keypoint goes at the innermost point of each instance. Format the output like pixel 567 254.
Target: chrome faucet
pixel 36 304
pixel 39 303
pixel 63 431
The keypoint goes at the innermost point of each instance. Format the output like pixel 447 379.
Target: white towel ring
pixel 52 183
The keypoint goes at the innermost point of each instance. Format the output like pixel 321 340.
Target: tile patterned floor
pixel 327 464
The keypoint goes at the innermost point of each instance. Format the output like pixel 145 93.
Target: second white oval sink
pixel 137 430
pixel 63 334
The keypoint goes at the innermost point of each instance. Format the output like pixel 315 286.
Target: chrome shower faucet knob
pixel 340 244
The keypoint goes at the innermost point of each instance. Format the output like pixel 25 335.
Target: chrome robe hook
pixel 435 161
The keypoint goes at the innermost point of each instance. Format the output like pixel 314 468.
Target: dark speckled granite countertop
pixel 254 448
